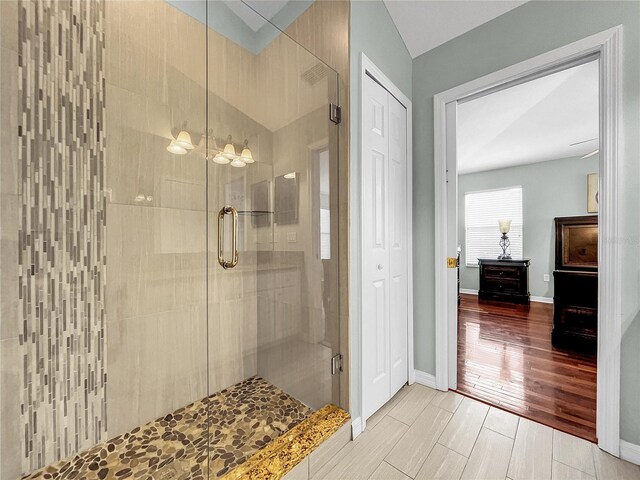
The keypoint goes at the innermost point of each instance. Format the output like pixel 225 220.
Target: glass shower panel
pixel 103 220
pixel 273 316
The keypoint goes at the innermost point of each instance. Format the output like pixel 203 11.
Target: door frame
pixel 368 68
pixel 607 45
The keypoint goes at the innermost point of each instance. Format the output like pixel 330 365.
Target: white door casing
pixel 608 46
pixel 384 247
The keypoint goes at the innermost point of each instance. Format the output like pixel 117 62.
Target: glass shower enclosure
pixel 168 213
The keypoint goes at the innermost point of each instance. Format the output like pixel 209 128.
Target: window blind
pixel 482 211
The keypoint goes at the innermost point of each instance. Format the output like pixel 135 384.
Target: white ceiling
pixel 532 122
pixel 425 24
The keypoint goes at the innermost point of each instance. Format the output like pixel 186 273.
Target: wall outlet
pixel 292 237
pixel 545 277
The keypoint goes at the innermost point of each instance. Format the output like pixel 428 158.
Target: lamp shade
pixel 184 140
pixel 246 156
pixel 229 151
pixel 505 226
pixel 220 159
pixel 238 163
pixel 176 149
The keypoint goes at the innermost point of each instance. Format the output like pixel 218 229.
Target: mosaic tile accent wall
pixel 62 260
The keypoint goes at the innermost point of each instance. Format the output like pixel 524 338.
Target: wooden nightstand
pixel 505 280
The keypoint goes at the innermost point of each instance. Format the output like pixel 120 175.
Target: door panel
pixel 384 263
pixel 375 232
pixel 398 244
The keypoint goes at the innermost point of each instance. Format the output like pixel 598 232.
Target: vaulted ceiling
pixel 425 24
pixel 548 118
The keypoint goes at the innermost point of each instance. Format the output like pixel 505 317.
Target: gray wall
pixel 373 32
pixel 522 33
pixel 557 188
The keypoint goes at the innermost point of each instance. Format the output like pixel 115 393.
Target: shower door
pixel 272 227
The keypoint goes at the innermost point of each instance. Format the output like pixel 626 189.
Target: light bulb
pixel 246 156
pixel 230 152
pixel 238 163
pixel 220 159
pixel 184 140
pixel 176 149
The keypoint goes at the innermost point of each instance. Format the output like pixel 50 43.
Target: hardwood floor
pixel 505 358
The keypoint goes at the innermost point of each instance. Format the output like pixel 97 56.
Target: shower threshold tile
pixel 226 428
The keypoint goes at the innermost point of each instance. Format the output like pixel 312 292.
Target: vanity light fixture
pixel 176 149
pixel 246 155
pixel 238 163
pixel 229 150
pixel 290 175
pixel 181 144
pixel 184 140
pixel 221 159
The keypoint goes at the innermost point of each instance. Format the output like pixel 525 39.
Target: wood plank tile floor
pixel 505 358
pixel 423 434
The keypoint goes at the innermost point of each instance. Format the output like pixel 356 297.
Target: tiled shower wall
pixel 61 236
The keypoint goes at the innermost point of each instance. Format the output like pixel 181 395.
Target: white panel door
pixel 398 282
pixel 384 256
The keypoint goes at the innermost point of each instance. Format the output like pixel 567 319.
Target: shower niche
pixel 172 275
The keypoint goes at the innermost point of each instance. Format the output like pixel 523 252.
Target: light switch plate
pixel 546 277
pixel 292 237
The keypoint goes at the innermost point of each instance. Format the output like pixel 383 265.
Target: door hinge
pixel 452 262
pixel 335 113
pixel 336 364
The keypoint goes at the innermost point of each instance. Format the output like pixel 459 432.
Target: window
pixel 482 210
pixel 325 212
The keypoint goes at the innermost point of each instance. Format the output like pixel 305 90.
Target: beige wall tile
pixel 412 403
pixel 489 457
pixel 11 430
pixel 414 447
pixel 532 452
pixel 442 464
pixel 463 429
pixel 502 422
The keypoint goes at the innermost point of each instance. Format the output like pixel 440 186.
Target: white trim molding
pixel 356 427
pixel 630 452
pixel 533 298
pixel 426 379
pixel 607 47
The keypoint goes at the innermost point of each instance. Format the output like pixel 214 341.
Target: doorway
pixel 606 47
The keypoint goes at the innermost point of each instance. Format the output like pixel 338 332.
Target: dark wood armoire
pixel 575 300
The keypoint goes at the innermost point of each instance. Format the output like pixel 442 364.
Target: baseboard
pixel 630 452
pixel 425 379
pixel 541 299
pixel 468 291
pixel 356 427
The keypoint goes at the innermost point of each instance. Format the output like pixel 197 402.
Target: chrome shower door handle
pixel 228 210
